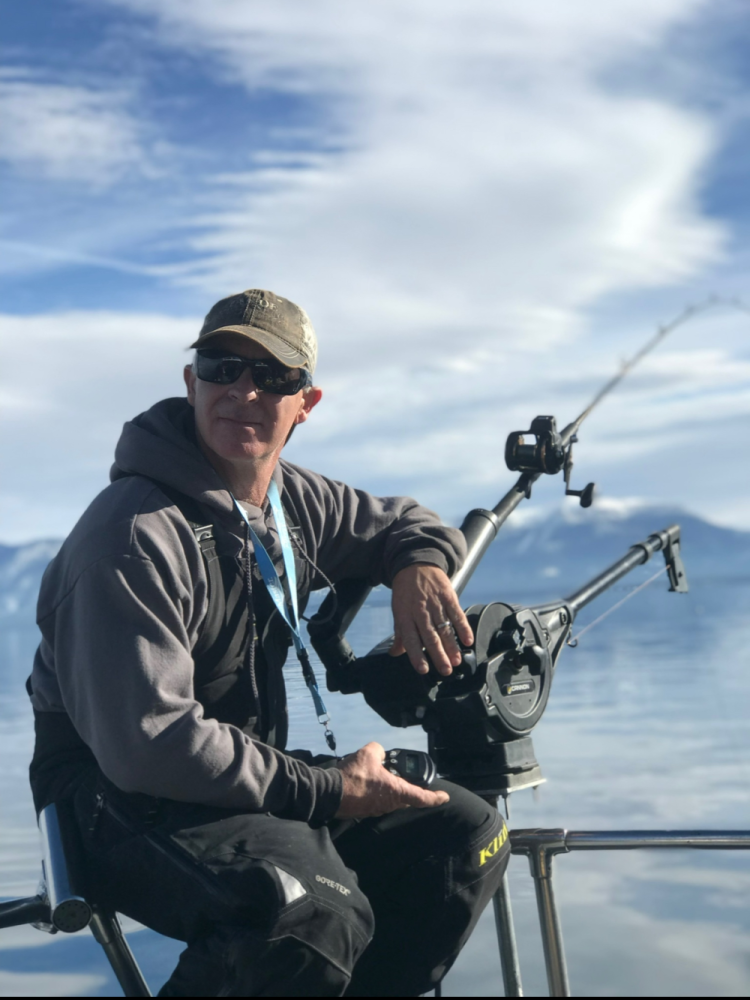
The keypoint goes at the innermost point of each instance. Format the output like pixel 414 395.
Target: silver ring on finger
pixel 445 624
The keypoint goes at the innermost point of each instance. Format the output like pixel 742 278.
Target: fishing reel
pixel 550 453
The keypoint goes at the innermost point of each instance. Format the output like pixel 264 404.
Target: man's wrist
pixel 429 557
pixel 329 793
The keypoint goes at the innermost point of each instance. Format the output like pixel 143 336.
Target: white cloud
pixel 296 43
pixel 668 435
pixel 70 382
pixel 482 178
pixel 475 188
pixel 68 133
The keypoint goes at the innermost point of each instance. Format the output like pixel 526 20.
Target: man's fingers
pixel 369 788
pixel 452 651
pixel 440 645
pixel 413 646
pixel 412 795
pixel 460 622
pixel 433 642
pixel 420 798
pixel 397 648
pixel 429 620
pixel 407 640
pixel 374 749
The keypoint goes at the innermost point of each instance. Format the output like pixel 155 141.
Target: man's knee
pixel 485 847
pixel 339 929
pixel 310 952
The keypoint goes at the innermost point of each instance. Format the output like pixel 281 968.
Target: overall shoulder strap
pixel 195 515
pixel 292 516
pixel 205 535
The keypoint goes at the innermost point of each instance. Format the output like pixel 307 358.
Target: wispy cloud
pixel 297 44
pixel 485 176
pixel 67 133
pixel 39 252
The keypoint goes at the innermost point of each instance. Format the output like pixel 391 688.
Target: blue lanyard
pixel 274 586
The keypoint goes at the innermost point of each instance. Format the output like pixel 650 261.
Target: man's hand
pixel 427 616
pixel 371 790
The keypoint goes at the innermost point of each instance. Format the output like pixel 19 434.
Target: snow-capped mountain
pixel 540 554
pixel 558 552
pixel 21 570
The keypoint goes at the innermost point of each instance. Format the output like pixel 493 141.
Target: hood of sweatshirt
pixel 161 445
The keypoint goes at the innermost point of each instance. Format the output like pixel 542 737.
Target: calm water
pixel 647 727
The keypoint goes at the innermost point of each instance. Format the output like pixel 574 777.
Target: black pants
pixel 272 907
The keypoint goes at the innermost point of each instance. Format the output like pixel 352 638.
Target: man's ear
pixel 310 399
pixel 190 377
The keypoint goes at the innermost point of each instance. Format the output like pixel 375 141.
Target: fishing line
pixel 573 641
pixel 686 316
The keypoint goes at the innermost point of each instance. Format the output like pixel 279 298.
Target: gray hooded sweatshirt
pixel 121 608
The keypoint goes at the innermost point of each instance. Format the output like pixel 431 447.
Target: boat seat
pixel 59 907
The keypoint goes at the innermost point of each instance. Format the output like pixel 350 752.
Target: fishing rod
pixel 480 718
pixel 552 452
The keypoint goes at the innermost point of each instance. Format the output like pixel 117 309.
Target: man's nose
pixel 244 387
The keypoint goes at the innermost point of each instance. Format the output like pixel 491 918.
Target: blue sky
pixel 483 205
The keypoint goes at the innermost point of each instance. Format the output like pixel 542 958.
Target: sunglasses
pixel 268 375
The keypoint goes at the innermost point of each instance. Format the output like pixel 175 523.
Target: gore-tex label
pixel 333 885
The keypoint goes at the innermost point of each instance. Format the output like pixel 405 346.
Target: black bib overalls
pixel 270 906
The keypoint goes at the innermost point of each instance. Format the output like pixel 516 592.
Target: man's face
pixel 238 424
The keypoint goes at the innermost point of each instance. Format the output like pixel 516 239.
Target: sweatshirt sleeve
pixel 356 534
pixel 121 642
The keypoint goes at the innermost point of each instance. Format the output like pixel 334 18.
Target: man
pixel 159 699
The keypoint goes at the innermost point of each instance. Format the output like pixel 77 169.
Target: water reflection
pixel 646 727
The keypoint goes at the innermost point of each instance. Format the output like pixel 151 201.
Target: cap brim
pixel 280 349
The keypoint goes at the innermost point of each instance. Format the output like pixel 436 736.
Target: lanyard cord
pixel 276 590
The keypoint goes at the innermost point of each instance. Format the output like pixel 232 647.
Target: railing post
pixel 541 846
pixel 107 931
pixel 506 939
pixel 554 950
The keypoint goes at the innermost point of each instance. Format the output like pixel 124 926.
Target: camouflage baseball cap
pixel 277 324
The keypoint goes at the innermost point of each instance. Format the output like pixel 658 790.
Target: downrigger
pixel 479 720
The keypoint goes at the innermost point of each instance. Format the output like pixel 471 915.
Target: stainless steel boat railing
pixel 58 907
pixel 541 847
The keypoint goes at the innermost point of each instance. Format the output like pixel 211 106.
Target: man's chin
pixel 249 452
pixel 234 437
pixel 243 447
